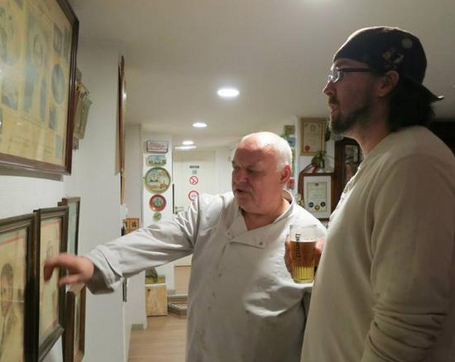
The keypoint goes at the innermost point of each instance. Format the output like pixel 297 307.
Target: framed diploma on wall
pixel 317 193
pixel 37 85
pixel 312 135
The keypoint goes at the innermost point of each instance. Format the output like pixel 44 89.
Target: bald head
pixel 270 143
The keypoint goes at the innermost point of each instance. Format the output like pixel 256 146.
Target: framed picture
pixel 82 105
pixel 131 224
pixel 52 236
pixel 74 336
pixel 155 160
pixel 37 86
pixel 18 296
pixel 74 206
pixel 312 135
pixel 156 146
pixel 317 193
pixel 121 126
pixel 157 180
pixel 348 156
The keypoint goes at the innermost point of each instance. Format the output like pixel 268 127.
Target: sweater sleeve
pixel 412 244
pixel 152 246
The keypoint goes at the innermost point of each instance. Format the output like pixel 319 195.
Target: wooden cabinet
pixel 348 156
pixel 156 299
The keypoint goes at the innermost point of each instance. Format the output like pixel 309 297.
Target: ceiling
pixel 276 52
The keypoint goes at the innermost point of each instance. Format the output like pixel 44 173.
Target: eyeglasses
pixel 336 74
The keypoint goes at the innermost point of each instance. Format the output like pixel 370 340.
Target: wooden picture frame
pixel 37 86
pixel 312 133
pixel 121 126
pixel 19 297
pixel 52 240
pixel 317 193
pixel 74 335
pixel 348 156
pixel 74 207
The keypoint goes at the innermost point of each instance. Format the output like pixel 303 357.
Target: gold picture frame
pixel 312 132
pixel 37 86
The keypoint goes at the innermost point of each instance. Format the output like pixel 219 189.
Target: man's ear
pixel 387 83
pixel 286 174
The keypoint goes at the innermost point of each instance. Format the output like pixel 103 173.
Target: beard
pixel 340 123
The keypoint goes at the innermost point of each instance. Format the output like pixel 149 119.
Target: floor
pixel 163 341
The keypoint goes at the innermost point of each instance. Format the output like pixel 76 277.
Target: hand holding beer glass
pixel 303 253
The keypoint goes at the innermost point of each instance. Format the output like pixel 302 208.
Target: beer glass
pixel 303 245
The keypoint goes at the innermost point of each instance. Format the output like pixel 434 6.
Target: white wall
pixel 135 315
pixel 96 181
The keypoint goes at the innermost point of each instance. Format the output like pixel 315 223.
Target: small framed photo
pixel 156 146
pixel 52 240
pixel 19 297
pixel 317 193
pixel 74 336
pixel 312 135
pixel 74 206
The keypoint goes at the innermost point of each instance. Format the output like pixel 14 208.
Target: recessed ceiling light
pixel 187 143
pixel 185 147
pixel 200 125
pixel 228 92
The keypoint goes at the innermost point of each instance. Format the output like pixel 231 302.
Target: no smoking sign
pixel 194 180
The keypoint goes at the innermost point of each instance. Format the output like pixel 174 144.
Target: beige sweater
pixel 385 289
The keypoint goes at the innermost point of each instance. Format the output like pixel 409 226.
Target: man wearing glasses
pixel 385 289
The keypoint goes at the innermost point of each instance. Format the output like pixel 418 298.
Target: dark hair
pixel 409 106
pixel 7 272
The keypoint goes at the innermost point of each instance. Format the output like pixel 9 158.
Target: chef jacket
pixel 242 303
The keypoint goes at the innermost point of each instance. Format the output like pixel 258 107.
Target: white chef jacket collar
pixel 238 232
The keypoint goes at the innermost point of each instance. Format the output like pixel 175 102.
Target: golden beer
pixel 303 258
pixel 303 255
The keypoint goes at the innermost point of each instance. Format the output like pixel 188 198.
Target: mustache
pixel 332 101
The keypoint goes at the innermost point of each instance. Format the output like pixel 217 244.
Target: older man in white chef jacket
pixel 242 303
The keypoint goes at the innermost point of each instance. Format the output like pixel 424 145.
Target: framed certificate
pixel 317 193
pixel 37 84
pixel 312 135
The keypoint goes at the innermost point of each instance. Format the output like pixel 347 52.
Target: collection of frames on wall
pixel 35 314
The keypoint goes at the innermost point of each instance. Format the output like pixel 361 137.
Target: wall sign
pixel 192 195
pixel 155 160
pixel 156 146
pixel 194 180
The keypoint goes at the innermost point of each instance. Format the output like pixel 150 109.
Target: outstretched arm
pixel 80 269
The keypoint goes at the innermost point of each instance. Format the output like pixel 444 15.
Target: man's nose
pixel 329 89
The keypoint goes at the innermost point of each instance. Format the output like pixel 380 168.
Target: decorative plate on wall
pixel 157 203
pixel 157 180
